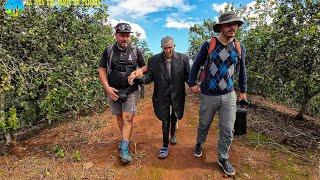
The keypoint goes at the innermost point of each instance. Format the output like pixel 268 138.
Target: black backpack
pixel 118 74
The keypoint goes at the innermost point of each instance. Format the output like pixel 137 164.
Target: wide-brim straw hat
pixel 225 18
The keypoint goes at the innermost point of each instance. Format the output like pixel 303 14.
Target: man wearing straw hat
pixel 217 91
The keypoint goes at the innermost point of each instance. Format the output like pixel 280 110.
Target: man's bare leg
pixel 127 126
pixel 120 122
pixel 120 125
pixel 126 133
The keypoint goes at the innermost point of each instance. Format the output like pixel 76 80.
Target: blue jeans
pixel 226 107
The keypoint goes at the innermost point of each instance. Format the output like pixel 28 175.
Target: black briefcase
pixel 240 125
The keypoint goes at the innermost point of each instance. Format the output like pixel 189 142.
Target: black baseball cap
pixel 123 28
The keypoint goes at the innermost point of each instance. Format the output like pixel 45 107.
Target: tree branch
pixel 315 93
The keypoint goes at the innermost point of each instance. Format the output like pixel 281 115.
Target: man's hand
pixel 131 78
pixel 139 73
pixel 195 89
pixel 111 92
pixel 243 96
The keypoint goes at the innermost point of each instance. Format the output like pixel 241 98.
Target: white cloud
pixel 178 23
pixel 216 19
pixel 136 28
pixel 140 8
pixel 219 7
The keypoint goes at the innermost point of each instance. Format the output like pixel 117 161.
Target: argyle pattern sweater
pixel 220 72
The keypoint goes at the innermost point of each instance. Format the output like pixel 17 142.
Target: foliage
pixel 59 151
pixel 9 120
pixel 48 62
pixel 285 56
pixel 198 34
pixel 77 156
pixel 143 46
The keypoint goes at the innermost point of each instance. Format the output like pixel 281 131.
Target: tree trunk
pixel 303 108
pixel 8 138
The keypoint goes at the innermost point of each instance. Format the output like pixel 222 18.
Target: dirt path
pixel 89 150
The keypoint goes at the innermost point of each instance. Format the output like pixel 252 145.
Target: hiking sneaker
pixel 119 148
pixel 198 150
pixel 163 153
pixel 227 167
pixel 125 155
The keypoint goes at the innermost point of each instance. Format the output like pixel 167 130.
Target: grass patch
pixel 59 151
pixel 287 168
pixel 77 156
pixel 247 170
pixel 257 138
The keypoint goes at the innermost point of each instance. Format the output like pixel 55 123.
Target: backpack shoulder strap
pixel 238 47
pixel 134 50
pixel 213 42
pixel 110 54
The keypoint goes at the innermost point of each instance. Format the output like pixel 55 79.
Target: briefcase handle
pixel 243 103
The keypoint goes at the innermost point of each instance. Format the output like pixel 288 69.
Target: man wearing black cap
pixel 116 64
pixel 217 92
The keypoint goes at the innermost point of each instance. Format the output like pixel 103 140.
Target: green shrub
pixel 48 63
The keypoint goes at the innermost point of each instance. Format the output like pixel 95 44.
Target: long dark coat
pixel 168 90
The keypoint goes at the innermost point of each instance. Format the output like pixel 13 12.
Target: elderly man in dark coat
pixel 169 70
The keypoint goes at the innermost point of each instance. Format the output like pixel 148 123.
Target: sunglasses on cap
pixel 123 27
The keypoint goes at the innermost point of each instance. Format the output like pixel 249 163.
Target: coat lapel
pixel 163 68
pixel 174 64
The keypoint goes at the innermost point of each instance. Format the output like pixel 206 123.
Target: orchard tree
pixel 198 34
pixel 142 45
pixel 48 62
pixel 282 43
pixel 295 49
pixel 304 24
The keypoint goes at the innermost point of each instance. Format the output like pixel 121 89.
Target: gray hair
pixel 166 40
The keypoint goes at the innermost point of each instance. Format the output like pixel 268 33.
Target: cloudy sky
pixel 155 19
